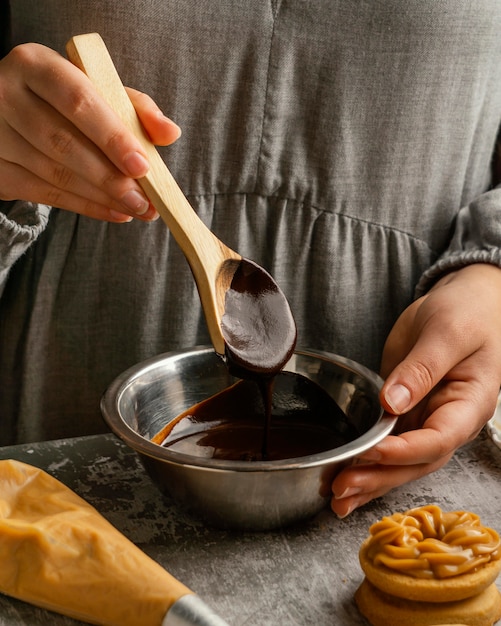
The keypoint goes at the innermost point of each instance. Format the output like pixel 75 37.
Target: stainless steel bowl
pixel 256 495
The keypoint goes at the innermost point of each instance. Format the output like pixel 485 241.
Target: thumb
pixel 426 343
pixel 161 130
pixel 416 375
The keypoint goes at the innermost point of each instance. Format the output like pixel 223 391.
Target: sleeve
pixel 476 239
pixel 20 225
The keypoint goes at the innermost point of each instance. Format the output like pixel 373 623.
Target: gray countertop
pixel 292 577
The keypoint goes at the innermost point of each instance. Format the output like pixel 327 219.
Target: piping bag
pixel 59 553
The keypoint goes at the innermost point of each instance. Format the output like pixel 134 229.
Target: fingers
pixel 436 336
pixel 60 141
pixel 438 349
pixel 74 104
pixel 39 191
pixel 161 130
pixel 45 179
pixel 396 460
pixel 359 484
pixel 451 416
pixel 443 372
pixel 448 428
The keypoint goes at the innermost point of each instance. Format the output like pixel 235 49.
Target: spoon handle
pixel 206 254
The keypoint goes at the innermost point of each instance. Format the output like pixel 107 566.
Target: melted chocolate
pixel 257 325
pixel 270 414
pixel 229 425
pixel 260 336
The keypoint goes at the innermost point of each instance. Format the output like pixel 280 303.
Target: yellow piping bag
pixel 59 553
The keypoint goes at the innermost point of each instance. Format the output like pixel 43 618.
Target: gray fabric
pixel 20 224
pixel 344 145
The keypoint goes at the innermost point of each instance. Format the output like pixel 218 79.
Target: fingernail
pixel 152 215
pixel 398 398
pixel 136 164
pixel 164 118
pixel 349 510
pixel 120 216
pixel 349 491
pixel 135 201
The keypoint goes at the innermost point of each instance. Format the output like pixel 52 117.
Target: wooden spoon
pixel 248 316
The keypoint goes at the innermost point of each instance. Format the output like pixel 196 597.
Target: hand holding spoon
pixel 248 316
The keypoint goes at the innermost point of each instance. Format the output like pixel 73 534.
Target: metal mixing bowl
pixel 248 495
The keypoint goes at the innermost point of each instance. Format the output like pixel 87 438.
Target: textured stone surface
pixel 299 576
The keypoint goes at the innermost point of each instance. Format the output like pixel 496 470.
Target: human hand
pixel 62 145
pixel 442 364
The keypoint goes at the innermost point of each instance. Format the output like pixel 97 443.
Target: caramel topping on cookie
pixel 427 543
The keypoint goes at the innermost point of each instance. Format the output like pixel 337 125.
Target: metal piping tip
pixel 190 610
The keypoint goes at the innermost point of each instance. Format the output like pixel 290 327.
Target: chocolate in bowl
pixel 240 494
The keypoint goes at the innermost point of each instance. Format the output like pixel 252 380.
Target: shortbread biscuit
pixel 429 568
pixel 382 609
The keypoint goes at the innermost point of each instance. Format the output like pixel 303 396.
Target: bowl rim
pixel 111 399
